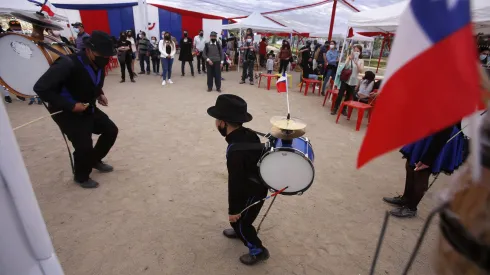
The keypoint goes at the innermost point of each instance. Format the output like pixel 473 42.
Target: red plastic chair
pixel 334 92
pixel 361 108
pixel 269 78
pixel 308 82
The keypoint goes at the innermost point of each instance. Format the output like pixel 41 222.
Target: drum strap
pixel 48 46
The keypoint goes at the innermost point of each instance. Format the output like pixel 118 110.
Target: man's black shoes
pixel 90 183
pixel 230 233
pixel 398 200
pixel 103 167
pixel 248 259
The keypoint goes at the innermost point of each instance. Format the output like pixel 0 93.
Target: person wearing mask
pixel 125 57
pixel 213 54
pixel 130 38
pixel 285 56
pixel 230 46
pixel 249 57
pixel 73 84
pixel 263 51
pixel 167 49
pixel 484 59
pixel 199 43
pixel 81 35
pixel 155 55
pixel 365 88
pixel 355 63
pixel 307 59
pixel 144 47
pixel 185 55
pixel 330 58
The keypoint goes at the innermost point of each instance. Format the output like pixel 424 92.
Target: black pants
pixel 214 72
pixel 416 184
pixel 283 66
pixel 345 91
pixel 79 129
pixel 156 64
pixel 262 60
pixel 144 58
pixel 126 63
pixel 244 226
pixel 190 64
pixel 201 63
pixel 226 66
pixel 307 69
pixel 248 70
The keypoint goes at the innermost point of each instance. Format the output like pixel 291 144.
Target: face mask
pixel 483 56
pixel 213 40
pixel 332 46
pixel 154 40
pixel 101 61
pixel 185 34
pixel 167 37
pixel 356 54
pixel 201 34
pixel 222 131
pixel 249 40
pixel 76 30
pixel 123 37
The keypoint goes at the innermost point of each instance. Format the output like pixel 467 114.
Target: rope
pixel 37 119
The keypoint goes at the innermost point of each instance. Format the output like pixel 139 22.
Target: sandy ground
pixel 163 209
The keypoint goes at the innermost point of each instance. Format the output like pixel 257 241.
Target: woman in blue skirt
pixel 431 155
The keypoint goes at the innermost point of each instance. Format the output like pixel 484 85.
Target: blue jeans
pixel 330 72
pixel 167 68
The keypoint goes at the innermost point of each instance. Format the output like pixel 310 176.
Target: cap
pixel 213 33
pixel 77 24
pixel 101 43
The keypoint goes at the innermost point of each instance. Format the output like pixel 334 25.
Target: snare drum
pixel 24 61
pixel 288 163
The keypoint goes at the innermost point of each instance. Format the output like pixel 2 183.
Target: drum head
pixel 284 167
pixel 23 63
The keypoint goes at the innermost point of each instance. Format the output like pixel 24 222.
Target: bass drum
pixel 56 44
pixel 23 62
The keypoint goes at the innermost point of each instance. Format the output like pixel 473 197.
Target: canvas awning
pixel 258 23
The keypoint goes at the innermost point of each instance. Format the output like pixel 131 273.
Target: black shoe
pixel 230 233
pixel 90 183
pixel 141 73
pixel 30 103
pixel 334 112
pixel 209 90
pixel 403 212
pixel 204 72
pixel 199 72
pixel 242 82
pixel 323 93
pixel 218 90
pixel 192 75
pixel 135 75
pixel 8 99
pixel 398 200
pixel 132 80
pixel 251 83
pixel 122 81
pixel 344 112
pixel 148 73
pixel 182 75
pixel 103 168
pixel 248 259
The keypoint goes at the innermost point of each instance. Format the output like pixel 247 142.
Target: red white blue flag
pixel 431 80
pixel 46 7
pixel 282 84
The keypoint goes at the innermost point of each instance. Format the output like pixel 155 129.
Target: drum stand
pixel 266 212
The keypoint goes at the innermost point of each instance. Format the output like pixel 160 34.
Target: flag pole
pixel 475 148
pixel 287 95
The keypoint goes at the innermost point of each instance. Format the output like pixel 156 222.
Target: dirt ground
pixel 163 208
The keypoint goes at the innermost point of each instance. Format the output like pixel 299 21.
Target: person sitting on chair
pixel 244 187
pixel 365 87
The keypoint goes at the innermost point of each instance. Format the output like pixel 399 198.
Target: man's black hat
pixel 77 24
pixel 213 33
pixel 101 43
pixel 230 108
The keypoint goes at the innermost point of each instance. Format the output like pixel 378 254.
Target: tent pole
pixel 332 19
pixel 371 56
pixel 239 40
pixel 381 52
pixel 343 45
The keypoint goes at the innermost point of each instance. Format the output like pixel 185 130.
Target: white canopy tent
pixel 258 23
pixel 356 37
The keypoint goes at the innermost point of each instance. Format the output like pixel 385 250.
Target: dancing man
pixel 244 187
pixel 72 85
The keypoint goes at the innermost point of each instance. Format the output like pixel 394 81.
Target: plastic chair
pixel 361 107
pixel 308 82
pixel 269 78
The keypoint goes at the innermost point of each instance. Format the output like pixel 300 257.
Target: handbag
pixel 346 73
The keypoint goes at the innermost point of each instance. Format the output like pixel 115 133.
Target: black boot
pixel 103 167
pixel 122 81
pixel 8 99
pixel 90 183
pixel 398 200
pixel 230 233
pixel 404 212
pixel 248 259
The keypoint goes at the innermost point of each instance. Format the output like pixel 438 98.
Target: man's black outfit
pixel 244 186
pixel 144 47
pixel 249 57
pixel 214 53
pixel 125 58
pixel 70 80
pixel 186 54
pixel 307 60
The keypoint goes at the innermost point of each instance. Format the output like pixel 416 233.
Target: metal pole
pixel 332 19
pixel 381 52
pixel 265 215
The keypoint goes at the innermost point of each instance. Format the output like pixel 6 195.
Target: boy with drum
pixel 244 186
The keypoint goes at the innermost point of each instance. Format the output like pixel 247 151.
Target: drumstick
pixel 37 119
pixel 268 197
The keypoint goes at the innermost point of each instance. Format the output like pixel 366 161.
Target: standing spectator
pixel 270 63
pixel 155 55
pixel 185 55
pixel 249 56
pixel 144 47
pixel 213 54
pixel 307 59
pixel 263 51
pixel 81 35
pixel 199 44
pixel 354 62
pixel 331 58
pixel 285 56
pixel 130 38
pixel 125 56
pixel 167 49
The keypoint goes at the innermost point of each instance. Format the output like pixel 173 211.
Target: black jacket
pixel 242 166
pixel 68 81
pixel 186 49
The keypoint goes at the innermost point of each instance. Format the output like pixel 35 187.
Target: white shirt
pixel 365 89
pixel 133 45
pixel 199 43
pixel 355 71
pixel 270 64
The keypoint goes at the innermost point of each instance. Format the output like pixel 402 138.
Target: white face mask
pixel 249 40
pixel 356 54
pixel 76 30
pixel 332 46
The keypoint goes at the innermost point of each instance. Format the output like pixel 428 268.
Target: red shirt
pixel 262 47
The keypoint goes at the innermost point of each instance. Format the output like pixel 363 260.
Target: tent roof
pixel 259 23
pixel 356 37
pixel 385 19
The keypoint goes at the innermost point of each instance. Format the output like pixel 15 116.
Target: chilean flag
pixel 431 80
pixel 282 84
pixel 46 7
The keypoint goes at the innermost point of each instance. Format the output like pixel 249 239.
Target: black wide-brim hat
pixel 230 108
pixel 101 43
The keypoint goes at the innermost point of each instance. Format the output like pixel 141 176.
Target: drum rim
pixel 36 42
pixel 293 150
